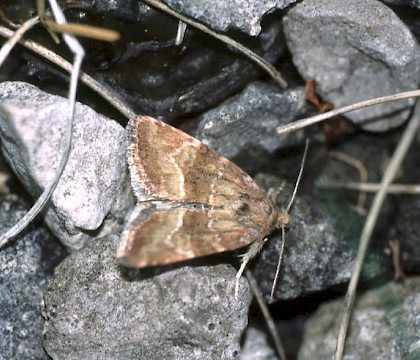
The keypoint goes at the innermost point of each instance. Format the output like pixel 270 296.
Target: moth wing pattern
pixel 166 163
pixel 157 237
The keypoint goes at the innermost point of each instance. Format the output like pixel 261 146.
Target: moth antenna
pixel 283 231
pixel 276 276
pixel 302 164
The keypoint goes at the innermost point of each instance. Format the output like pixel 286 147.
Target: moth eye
pixel 244 208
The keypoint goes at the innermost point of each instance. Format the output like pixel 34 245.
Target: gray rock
pixel 316 256
pixel 93 195
pixel 256 346
pixel 244 15
pixel 250 119
pixel 25 266
pixel 384 325
pixel 411 3
pixel 95 308
pixel 356 50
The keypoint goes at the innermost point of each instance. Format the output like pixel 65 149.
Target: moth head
pixel 283 219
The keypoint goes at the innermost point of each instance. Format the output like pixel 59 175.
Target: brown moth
pixel 198 202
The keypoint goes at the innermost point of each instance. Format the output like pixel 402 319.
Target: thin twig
pixel 358 165
pixel 399 154
pixel 296 125
pixel 409 189
pixel 180 33
pixel 264 64
pixel 266 314
pixel 106 93
pixel 79 53
pixel 399 273
pixel 17 35
pixel 89 31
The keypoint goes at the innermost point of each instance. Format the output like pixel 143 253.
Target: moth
pixel 197 202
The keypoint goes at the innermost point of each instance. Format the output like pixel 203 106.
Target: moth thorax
pixel 283 219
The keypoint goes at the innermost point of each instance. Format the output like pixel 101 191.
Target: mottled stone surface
pixel 95 308
pixel 256 346
pixel 356 50
pixel 385 325
pixel 93 194
pixel 316 255
pixel 25 266
pixel 250 118
pixel 244 15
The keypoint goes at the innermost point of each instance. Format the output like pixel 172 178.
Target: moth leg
pixel 252 251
